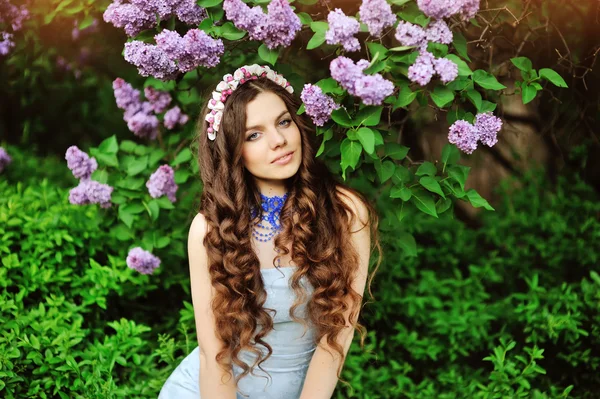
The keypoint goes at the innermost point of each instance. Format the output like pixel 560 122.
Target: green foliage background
pixel 507 310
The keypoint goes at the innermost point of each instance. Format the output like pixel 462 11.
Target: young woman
pixel 279 253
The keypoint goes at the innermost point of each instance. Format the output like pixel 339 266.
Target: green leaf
pixel 463 68
pixel 340 116
pixel 209 3
pixel 399 2
pixel 407 242
pixel 125 217
pixel 487 106
pixel 128 146
pixel 377 50
pixel 330 85
pixel 432 185
pixel 133 208
pixel 402 192
pixel 351 151
pixel 384 170
pixel 459 173
pixel 230 32
pixel 460 44
pixel 153 209
pixel 442 205
pixel 450 155
pixel 165 203
pixel 405 98
pixel 553 77
pixel 307 2
pixel 326 137
pixel 184 155
pixel 107 159
pixel 475 98
pixel 315 41
pixel 424 202
pixel 305 18
pixel 88 20
pixel 137 166
pixel 442 96
pixel 396 151
pixel 426 169
pixel 487 80
pixel 523 63
pixel 301 110
pixel 367 139
pixel 528 93
pixel 268 55
pixel 401 174
pixel 370 115
pixel 439 50
pixel 319 26
pixel 477 200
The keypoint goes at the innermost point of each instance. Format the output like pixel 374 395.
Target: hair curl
pixel 316 224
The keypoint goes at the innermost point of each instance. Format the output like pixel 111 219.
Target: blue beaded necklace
pixel 271 207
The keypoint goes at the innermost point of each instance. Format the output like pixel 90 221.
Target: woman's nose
pixel 276 139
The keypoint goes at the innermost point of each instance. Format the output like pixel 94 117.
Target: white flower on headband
pixel 229 84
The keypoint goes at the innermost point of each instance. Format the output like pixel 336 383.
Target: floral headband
pixel 230 83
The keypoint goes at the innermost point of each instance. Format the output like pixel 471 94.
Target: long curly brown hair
pixel 315 222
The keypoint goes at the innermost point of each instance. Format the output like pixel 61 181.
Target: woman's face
pixel 270 136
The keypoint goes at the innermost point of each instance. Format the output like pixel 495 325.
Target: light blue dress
pixel 293 349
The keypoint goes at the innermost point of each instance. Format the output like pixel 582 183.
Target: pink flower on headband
pixel 229 84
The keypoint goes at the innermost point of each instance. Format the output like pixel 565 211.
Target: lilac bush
pixel 80 163
pixel 174 117
pixel 91 192
pixel 377 15
pixel 162 182
pixel 342 30
pixel 318 106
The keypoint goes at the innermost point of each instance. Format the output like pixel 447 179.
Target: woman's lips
pixel 285 159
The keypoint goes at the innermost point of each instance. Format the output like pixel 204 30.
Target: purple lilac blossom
pixel 410 35
pixel 159 100
pixel 439 9
pixel 346 73
pixel 282 24
pixel 464 135
pixel 13 15
pixel 200 50
pixel 174 116
pixel 318 105
pixel 488 126
pixel 422 70
pixel 446 68
pixel 125 94
pixel 171 43
pixel 164 8
pixel 91 192
pixel 373 89
pixel 189 12
pixel 142 123
pixel 162 182
pixel 377 15
pixel 439 32
pixel 150 60
pixel 142 261
pixel 342 30
pixel 130 17
pixel 80 163
pixel 253 20
pixel 6 44
pixel 5 159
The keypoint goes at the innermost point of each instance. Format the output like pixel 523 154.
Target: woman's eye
pixel 251 136
pixel 288 121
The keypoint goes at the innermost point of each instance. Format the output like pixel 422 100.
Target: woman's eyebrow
pixel 257 126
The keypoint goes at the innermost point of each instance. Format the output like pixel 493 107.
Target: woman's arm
pixel 321 377
pixel 210 372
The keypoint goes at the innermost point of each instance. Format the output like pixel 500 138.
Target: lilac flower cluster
pixel 377 15
pixel 466 136
pixel 140 115
pixel 139 15
pixel 142 261
pixel 413 35
pixel 14 16
pixel 342 30
pixel 162 182
pixel 276 28
pixel 439 9
pixel 372 89
pixel 318 105
pixel 5 159
pixel 173 54
pixel 88 191
pixel 80 163
pixel 174 116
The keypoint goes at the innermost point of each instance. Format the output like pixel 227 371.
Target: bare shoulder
pixel 356 204
pixel 199 227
